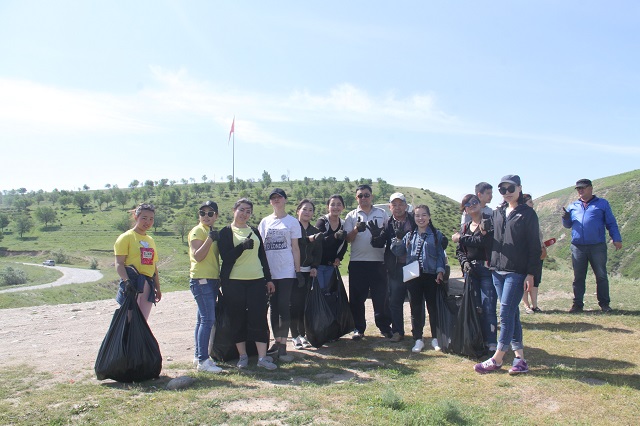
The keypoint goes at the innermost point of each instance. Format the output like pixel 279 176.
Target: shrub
pixel 12 276
pixel 59 256
pixel 93 264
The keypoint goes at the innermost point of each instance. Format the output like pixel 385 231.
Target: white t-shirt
pixel 277 234
pixel 361 248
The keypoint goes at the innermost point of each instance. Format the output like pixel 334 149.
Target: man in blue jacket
pixel 588 217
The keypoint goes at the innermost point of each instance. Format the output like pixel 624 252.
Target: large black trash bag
pixel 320 319
pixel 343 314
pixel 129 351
pixel 447 307
pixel 221 345
pixel 467 337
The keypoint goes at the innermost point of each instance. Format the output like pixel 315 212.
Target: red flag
pixel 232 126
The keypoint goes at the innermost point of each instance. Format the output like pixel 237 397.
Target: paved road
pixel 69 276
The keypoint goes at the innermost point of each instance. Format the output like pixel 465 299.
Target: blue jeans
pixel 510 289
pixel 325 274
pixel 205 296
pixel 581 257
pixel 482 280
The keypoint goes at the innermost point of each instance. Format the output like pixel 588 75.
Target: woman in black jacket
pixel 515 259
pixel 246 281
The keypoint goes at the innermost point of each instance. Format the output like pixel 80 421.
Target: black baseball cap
pixel 278 191
pixel 211 204
pixel 583 183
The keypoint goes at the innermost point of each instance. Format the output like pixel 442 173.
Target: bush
pixel 60 256
pixel 93 264
pixel 12 276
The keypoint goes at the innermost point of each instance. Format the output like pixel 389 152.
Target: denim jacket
pixel 432 254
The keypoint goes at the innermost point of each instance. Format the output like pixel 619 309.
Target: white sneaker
pixel 209 365
pixel 305 342
pixel 262 362
pixel 297 343
pixel 434 344
pixel 418 346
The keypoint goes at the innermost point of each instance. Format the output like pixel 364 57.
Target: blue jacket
pixel 588 224
pixel 432 254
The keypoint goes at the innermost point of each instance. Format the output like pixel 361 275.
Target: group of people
pixel 272 266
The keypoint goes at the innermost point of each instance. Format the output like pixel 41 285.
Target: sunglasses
pixel 473 202
pixel 504 189
pixel 365 195
pixel 209 213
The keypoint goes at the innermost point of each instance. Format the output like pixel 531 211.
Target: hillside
pixel 89 233
pixel 623 193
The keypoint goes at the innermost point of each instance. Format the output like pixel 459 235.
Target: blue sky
pixel 436 95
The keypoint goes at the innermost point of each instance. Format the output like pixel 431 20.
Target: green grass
pixel 35 274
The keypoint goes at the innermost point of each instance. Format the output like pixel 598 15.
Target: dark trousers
pixel 298 301
pixel 581 257
pixel 369 278
pixel 280 303
pixel 421 290
pixel 246 304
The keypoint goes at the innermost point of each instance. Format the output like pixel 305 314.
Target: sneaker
pixel 606 309
pixel 418 346
pixel 196 361
pixel 305 342
pixel 357 335
pixel 528 310
pixel 273 350
pixel 434 344
pixel 264 363
pixel 397 337
pixel 297 343
pixel 282 354
pixel 487 367
pixel 576 309
pixel 387 334
pixel 519 366
pixel 537 310
pixel 493 347
pixel 243 362
pixel 209 365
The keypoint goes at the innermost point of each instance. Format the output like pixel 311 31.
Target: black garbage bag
pixel 467 339
pixel 221 345
pixel 320 316
pixel 129 351
pixel 343 311
pixel 447 307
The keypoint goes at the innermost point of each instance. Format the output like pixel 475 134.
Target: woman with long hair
pixel 246 282
pixel 515 259
pixel 334 245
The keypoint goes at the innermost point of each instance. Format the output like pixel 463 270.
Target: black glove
pixel 486 225
pixel 301 279
pixel 213 234
pixel 247 244
pixel 318 237
pixel 466 267
pixel 361 226
pixel 398 229
pixel 373 227
pixel 339 235
pixel 565 214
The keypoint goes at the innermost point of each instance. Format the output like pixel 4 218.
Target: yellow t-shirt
pixel 248 265
pixel 209 267
pixel 140 251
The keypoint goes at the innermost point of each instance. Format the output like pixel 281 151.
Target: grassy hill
pixel 623 193
pixel 87 235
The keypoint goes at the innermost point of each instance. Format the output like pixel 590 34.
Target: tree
pixel 81 200
pixel 85 187
pixel 108 186
pixel 46 215
pixel 54 196
pixel 65 200
pixel 134 183
pixel 39 198
pixel 182 223
pixel 283 178
pixel 23 224
pixel 266 179
pixel 163 182
pixel 4 221
pixel 21 203
pixel 123 224
pixel 159 220
pixel 121 197
pixel 204 178
pixel 22 191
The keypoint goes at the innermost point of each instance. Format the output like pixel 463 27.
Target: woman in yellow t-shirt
pixel 204 281
pixel 136 249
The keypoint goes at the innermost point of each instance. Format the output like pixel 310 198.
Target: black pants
pixel 298 301
pixel 280 303
pixel 369 278
pixel 421 290
pixel 246 303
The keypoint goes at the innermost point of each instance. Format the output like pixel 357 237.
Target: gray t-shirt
pixel 361 248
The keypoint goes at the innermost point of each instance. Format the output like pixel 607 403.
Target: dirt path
pixel 69 276
pixel 64 339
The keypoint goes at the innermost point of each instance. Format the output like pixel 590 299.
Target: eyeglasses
pixel 504 189
pixel 578 188
pixel 365 195
pixel 209 213
pixel 473 202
